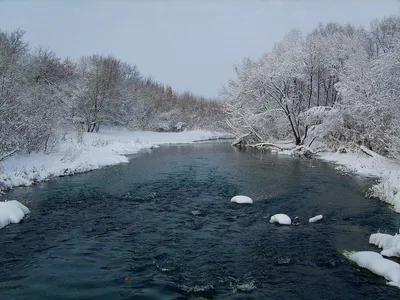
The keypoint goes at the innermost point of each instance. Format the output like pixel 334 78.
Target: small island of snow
pixel 242 199
pixel 281 219
pixel 12 212
pixel 315 219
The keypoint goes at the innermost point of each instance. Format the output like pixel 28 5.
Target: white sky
pixel 191 45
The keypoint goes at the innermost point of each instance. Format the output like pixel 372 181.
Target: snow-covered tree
pixel 103 84
pixel 337 85
pixel 12 52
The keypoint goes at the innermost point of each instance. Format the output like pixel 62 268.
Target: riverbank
pixel 362 162
pixel 371 164
pixel 77 154
pixel 110 147
pixel 387 189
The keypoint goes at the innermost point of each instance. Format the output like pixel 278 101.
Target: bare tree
pixel 101 86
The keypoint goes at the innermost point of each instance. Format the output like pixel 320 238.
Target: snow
pixel 12 212
pixel 366 163
pixel 374 262
pixel 388 172
pixel 242 199
pixel 315 219
pixel 281 219
pixel 90 151
pixel 389 243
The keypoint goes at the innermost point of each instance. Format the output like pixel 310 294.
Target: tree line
pixel 42 96
pixel 337 86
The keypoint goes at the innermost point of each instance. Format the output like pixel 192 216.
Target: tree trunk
pixel 311 89
pixel 295 133
pixel 318 86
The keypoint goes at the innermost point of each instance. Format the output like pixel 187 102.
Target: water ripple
pixel 120 233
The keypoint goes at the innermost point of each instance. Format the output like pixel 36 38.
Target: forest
pixel 43 96
pixel 337 86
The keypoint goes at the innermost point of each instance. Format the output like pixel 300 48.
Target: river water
pixel 163 227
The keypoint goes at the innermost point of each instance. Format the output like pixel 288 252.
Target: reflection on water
pixel 163 227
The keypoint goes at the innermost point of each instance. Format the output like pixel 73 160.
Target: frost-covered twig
pixel 3 157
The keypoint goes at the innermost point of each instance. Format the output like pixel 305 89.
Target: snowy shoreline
pixel 387 189
pixel 93 151
pixel 385 170
pixel 110 147
pixel 361 162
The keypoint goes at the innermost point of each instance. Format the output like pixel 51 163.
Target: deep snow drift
pixel 88 152
pixel 12 212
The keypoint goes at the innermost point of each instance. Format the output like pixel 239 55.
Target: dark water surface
pixel 163 227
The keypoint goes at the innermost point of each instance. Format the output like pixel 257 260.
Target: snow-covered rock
pixel 374 262
pixel 315 219
pixel 281 219
pixel 242 199
pixel 12 212
pixel 389 243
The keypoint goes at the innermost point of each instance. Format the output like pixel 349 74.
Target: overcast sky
pixel 191 45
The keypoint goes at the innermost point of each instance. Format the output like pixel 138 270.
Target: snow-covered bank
pixel 376 262
pixel 389 243
pixel 388 172
pixel 93 151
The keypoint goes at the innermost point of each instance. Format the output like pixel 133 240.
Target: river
pixel 163 227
